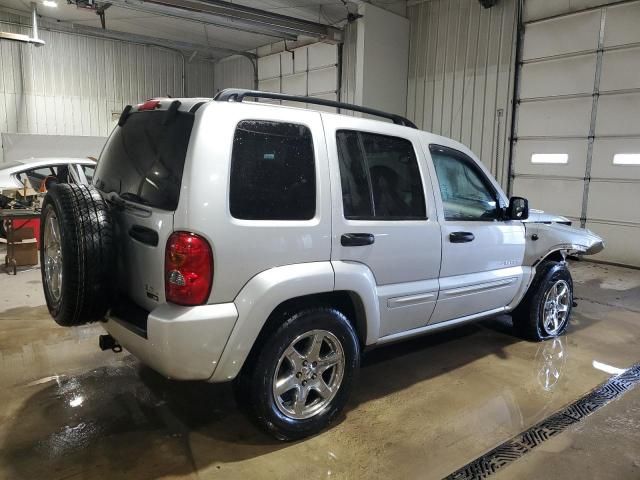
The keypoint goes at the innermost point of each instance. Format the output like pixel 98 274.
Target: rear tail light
pixel 188 268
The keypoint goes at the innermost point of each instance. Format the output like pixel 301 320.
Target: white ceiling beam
pixel 237 17
pixel 52 24
pixel 200 17
pixel 205 50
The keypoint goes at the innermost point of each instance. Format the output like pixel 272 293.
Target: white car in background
pixel 37 170
pixel 40 173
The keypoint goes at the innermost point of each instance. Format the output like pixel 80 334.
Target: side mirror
pixel 518 208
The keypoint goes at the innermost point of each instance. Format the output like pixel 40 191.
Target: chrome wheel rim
pixel 53 256
pixel 556 307
pixel 309 374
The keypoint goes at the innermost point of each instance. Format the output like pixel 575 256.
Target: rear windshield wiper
pixel 120 200
pixel 133 197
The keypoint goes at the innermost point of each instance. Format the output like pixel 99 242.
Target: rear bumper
pixel 183 343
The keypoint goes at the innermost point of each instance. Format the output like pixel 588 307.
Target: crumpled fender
pixel 542 239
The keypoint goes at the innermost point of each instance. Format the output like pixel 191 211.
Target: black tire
pixel 528 317
pixel 254 387
pixel 86 243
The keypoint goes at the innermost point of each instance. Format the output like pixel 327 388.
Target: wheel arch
pixel 347 302
pixel 526 314
pixel 557 255
pixel 266 299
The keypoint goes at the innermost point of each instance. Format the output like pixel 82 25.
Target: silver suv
pixel 224 239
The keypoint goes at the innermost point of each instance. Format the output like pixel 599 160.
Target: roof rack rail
pixel 238 94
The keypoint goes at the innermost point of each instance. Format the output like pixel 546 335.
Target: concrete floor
pixel 422 409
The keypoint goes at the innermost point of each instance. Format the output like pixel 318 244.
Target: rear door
pixel 140 171
pixel 259 192
pixel 384 216
pixel 482 254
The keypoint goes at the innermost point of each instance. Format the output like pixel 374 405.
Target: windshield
pixel 143 160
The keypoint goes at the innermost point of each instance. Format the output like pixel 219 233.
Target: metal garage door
pixel 578 125
pixel 311 70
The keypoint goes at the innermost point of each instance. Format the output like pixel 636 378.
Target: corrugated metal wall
pixel 461 74
pixel 234 72
pixel 199 79
pixel 77 85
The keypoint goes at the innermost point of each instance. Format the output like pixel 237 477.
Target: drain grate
pixel 524 442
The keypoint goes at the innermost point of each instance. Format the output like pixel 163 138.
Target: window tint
pixel 88 171
pixel 44 177
pixel 35 176
pixel 144 159
pixel 272 172
pixel 380 177
pixel 466 193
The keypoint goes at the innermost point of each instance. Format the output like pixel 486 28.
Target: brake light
pixel 188 268
pixel 149 105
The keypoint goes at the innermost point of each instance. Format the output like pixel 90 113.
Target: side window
pixel 36 176
pixel 272 172
pixel 88 172
pixel 380 177
pixel 466 192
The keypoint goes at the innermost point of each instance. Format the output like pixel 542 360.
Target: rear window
pixel 272 172
pixel 143 160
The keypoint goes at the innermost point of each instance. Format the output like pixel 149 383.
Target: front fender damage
pixel 543 239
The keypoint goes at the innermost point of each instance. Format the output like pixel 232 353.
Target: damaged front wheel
pixel 546 308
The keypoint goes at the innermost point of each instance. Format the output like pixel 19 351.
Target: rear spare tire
pixel 76 254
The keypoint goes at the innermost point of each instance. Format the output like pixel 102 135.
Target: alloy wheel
pixel 53 256
pixel 308 374
pixel 556 307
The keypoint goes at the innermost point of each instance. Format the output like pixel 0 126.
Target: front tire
pixel 546 308
pixel 301 378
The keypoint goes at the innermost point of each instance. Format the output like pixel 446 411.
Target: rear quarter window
pixel 272 172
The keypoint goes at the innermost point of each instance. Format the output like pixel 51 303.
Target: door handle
pixel 144 235
pixel 357 239
pixel 461 237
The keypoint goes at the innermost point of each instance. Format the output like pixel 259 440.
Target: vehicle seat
pixel 385 193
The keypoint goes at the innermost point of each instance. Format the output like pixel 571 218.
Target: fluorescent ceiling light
pixel 49 3
pixel 550 158
pixel 626 159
